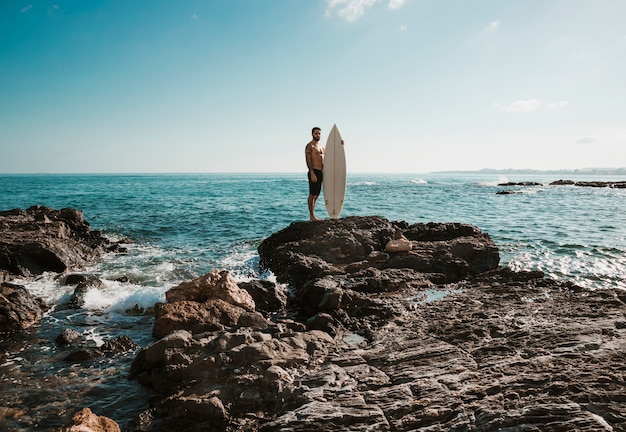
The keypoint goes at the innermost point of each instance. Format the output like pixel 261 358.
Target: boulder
pixel 86 421
pixel 19 309
pixel 268 296
pixel 41 239
pixel 215 285
pixel 338 246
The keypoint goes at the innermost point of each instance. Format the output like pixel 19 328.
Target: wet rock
pixel 41 239
pixel 77 300
pixel 524 183
pixel 119 345
pixel 19 309
pixel 86 421
pixel 594 184
pixel 38 240
pixel 83 355
pixel 562 183
pixel 68 336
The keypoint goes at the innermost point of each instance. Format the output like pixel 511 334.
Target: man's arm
pixel 308 154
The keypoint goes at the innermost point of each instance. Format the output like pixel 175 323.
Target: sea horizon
pixel 530 171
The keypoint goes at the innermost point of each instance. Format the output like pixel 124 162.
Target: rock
pixel 77 300
pixel 119 345
pixel 216 285
pixel 211 302
pixel 41 239
pixel 68 336
pixel 83 354
pixel 595 184
pixel 435 338
pixel 525 183
pixel 86 421
pixel 267 296
pixel 398 245
pixel 303 251
pixel 562 183
pixel 19 309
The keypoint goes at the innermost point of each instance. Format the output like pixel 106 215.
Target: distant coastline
pixel 583 171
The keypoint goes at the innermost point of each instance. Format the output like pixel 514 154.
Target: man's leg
pixel 312 202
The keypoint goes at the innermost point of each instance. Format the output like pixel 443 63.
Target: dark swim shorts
pixel 315 188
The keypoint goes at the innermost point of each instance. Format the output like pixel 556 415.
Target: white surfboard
pixel 334 182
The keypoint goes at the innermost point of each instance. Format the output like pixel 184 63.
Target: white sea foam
pixel 418 181
pixel 362 183
pixel 117 296
pixel 46 287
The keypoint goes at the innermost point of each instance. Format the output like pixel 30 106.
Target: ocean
pixel 181 226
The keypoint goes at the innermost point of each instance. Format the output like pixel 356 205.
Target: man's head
pixel 316 133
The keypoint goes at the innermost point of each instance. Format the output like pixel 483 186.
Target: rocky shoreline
pixel 595 184
pixel 376 325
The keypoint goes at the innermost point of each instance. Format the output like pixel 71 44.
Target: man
pixel 314 154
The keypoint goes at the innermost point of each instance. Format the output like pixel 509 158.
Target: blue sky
pixel 235 86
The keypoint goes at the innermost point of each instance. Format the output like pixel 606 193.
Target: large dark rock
pixel 38 240
pixel 42 239
pixel 363 345
pixel 341 246
pixel 19 309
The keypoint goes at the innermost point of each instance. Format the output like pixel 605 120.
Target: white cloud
pixel 404 27
pixel 26 8
pixel 486 32
pixel 350 10
pixel 526 105
pixel 557 105
pixel 587 140
pixel 396 4
pixel 493 26
pixel 614 141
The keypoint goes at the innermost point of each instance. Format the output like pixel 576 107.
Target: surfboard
pixel 334 183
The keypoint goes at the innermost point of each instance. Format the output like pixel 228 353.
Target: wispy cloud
pixel 528 105
pixel 493 26
pixel 486 33
pixel 352 10
pixel 26 8
pixel 557 105
pixel 396 4
pixel 524 105
pixel 613 141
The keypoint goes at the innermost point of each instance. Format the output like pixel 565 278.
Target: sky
pixel 414 86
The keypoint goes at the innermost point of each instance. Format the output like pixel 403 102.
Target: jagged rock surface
pixel 361 346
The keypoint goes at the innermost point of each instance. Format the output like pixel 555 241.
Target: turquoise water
pixel 182 226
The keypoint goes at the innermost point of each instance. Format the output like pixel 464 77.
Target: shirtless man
pixel 314 154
